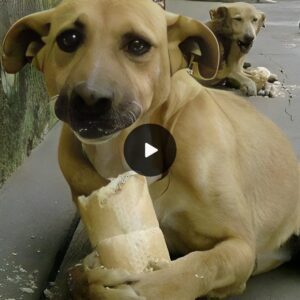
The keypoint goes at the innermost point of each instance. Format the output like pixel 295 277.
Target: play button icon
pixel 150 150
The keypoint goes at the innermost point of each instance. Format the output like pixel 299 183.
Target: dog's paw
pixel 270 90
pixel 249 89
pixel 101 283
pixel 124 292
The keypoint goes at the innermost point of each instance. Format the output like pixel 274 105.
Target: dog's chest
pixel 181 219
pixel 178 211
pixel 109 161
pixel 106 158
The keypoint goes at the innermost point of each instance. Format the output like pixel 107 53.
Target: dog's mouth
pixel 244 46
pixel 95 128
pixel 92 124
pixel 99 140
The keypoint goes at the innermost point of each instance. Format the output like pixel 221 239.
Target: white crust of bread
pixel 133 251
pixel 122 225
pixel 121 207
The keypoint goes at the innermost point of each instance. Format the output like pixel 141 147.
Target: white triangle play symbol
pixel 149 150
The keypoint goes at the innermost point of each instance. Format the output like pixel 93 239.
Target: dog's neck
pixel 227 45
pixel 184 89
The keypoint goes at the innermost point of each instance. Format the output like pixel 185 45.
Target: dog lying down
pixel 236 27
pixel 229 204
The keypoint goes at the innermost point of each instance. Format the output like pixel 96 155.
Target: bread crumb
pixel 115 186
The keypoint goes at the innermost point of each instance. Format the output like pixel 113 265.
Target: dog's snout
pixel 90 102
pixel 99 108
pixel 91 96
pixel 248 38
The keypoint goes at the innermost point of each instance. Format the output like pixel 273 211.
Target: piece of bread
pixel 122 226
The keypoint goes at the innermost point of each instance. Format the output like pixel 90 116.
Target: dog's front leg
pixel 76 168
pixel 246 85
pixel 219 272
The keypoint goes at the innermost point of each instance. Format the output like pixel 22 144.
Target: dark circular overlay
pixel 150 136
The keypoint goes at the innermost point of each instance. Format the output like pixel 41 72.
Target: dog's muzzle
pixel 245 44
pixel 94 116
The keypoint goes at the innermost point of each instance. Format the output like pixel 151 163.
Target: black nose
pixel 248 38
pixel 89 104
pixel 99 108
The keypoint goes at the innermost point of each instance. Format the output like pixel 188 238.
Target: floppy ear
pixel 218 14
pixel 24 40
pixel 262 20
pixel 161 3
pixel 192 41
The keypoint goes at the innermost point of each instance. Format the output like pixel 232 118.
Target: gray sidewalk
pixel 36 212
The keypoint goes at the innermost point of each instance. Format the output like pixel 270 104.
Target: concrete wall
pixel 25 114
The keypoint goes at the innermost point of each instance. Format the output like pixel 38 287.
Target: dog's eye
pixel 138 47
pixel 70 40
pixel 238 19
pixel 255 20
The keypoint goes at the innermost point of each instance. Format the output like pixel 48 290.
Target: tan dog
pixel 231 199
pixel 236 27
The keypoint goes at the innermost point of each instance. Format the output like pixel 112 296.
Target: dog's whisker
pixel 132 116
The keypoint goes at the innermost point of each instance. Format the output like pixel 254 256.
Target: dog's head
pixel 239 22
pixel 107 61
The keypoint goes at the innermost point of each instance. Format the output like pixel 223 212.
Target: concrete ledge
pixel 36 213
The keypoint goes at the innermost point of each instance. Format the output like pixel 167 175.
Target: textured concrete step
pixel 36 214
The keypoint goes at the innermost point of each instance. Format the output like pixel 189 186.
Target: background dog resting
pixel 236 27
pixel 224 206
